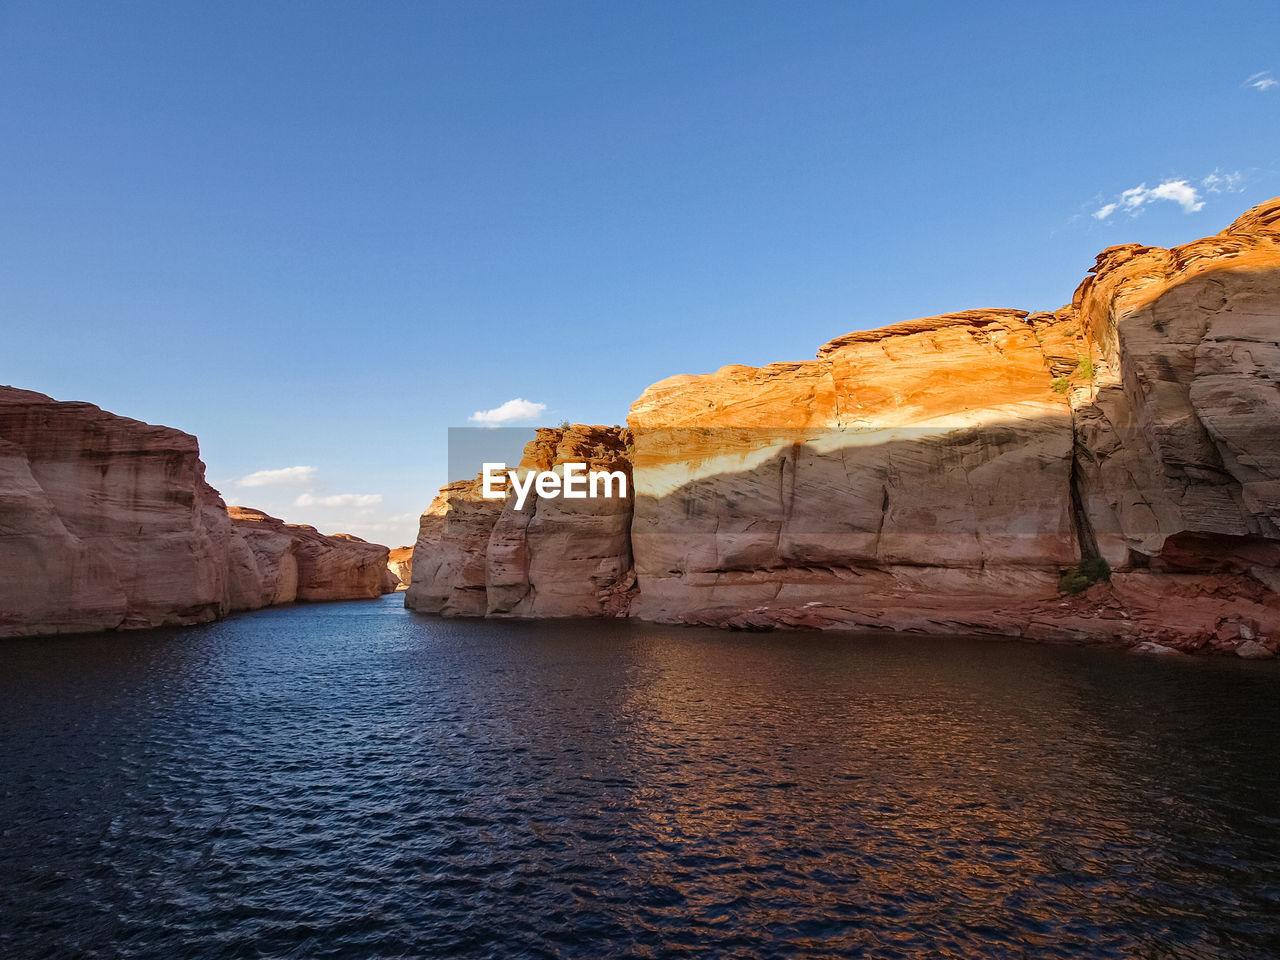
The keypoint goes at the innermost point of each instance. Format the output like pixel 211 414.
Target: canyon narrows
pixel 1108 472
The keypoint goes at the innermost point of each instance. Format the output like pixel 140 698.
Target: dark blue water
pixel 350 780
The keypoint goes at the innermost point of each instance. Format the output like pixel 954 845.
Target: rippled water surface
pixel 351 780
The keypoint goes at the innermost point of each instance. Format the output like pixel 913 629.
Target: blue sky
pixel 319 234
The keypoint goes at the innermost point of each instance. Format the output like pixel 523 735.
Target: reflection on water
pixel 350 780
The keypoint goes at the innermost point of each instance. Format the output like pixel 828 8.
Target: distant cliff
pixel 1106 472
pixel 400 563
pixel 286 562
pixel 555 558
pixel 107 523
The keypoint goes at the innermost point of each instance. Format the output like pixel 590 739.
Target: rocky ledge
pixel 1106 472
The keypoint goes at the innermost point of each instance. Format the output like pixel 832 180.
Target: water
pixel 351 780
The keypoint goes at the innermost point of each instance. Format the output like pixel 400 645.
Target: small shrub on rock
pixel 1084 575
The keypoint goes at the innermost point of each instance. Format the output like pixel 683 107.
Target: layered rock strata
pixel 955 473
pixel 107 523
pixel 914 477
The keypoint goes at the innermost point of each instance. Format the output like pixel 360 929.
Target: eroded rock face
pixel 555 557
pixel 560 557
pixel 295 562
pixel 1188 394
pixel 450 553
pixel 105 522
pixel 915 477
pixel 1179 437
pixel 400 564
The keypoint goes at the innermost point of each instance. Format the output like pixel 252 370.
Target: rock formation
pixel 973 472
pixel 450 552
pixel 107 523
pixel 562 557
pixel 1178 441
pixel 292 562
pixel 400 563
pixel 556 557
pixel 910 477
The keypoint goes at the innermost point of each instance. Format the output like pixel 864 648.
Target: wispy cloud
pixel 284 477
pixel 1219 182
pixel 1134 199
pixel 513 411
pixel 1261 81
pixel 339 500
pixel 1184 192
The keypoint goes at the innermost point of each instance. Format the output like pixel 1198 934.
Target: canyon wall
pixel 107 523
pixel 914 477
pixel 1109 471
pixel 1178 439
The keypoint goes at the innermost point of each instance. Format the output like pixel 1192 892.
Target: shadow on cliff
pixel 810 500
pixel 1015 492
pixel 977 523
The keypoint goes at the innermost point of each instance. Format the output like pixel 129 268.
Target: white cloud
pixel 339 500
pixel 1132 200
pixel 1262 81
pixel 284 477
pixel 1218 182
pixel 512 411
pixel 1181 193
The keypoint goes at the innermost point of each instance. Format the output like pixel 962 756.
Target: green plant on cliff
pixel 1061 384
pixel 1084 575
pixel 1085 368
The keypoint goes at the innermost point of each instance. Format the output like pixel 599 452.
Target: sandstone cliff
pixel 107 523
pixel 910 477
pixel 963 473
pixel 450 552
pixel 400 563
pixel 294 562
pixel 1178 441
pixel 555 557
